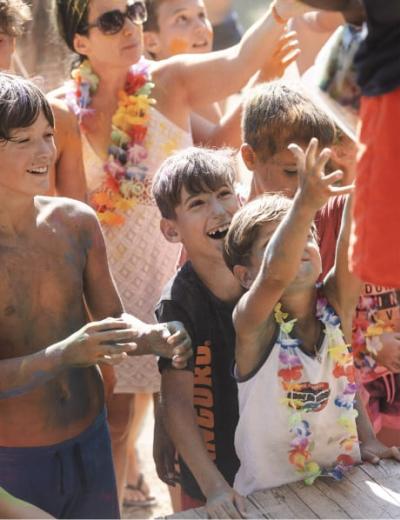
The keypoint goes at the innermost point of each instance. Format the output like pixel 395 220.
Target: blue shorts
pixel 72 479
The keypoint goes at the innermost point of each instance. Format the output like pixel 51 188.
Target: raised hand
pixel 285 53
pixel 106 341
pixel 315 188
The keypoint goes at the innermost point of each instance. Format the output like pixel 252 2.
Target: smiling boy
pixel 55 448
pixel 194 192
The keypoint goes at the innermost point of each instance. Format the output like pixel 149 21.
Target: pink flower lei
pixel 290 374
pixel 125 169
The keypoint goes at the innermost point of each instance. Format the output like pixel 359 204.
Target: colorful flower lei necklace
pixel 125 171
pixel 290 374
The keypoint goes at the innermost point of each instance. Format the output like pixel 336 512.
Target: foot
pixel 138 494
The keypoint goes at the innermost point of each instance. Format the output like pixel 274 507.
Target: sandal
pixel 148 501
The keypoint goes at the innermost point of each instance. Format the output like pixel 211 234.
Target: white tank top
pixel 297 419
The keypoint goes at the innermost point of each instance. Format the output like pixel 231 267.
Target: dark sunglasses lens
pixel 111 22
pixel 137 12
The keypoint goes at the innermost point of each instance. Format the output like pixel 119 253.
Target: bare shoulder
pixel 167 76
pixel 69 212
pixel 64 118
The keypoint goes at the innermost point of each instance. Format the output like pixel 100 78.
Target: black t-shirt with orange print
pixel 209 323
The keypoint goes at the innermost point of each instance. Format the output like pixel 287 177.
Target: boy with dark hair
pixel 54 271
pixel 194 190
pixel 13 16
pixel 294 369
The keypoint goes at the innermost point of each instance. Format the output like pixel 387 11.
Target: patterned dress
pixel 140 258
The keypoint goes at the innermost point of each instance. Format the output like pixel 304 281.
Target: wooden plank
pixel 369 490
pixel 281 502
pixel 349 497
pixel 322 505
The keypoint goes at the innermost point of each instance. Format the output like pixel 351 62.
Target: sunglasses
pixel 112 22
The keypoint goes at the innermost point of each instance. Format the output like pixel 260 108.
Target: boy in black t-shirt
pixel 195 194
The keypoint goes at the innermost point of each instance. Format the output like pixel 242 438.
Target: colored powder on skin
pixel 178 46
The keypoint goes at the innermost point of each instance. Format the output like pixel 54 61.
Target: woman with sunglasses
pixel 133 114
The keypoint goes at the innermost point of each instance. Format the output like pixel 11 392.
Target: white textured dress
pixel 140 258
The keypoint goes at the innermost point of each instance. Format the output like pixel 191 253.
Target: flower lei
pixel 290 374
pixel 125 182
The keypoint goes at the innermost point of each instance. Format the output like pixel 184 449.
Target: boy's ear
pixel 248 156
pixel 152 43
pixel 242 274
pixel 81 44
pixel 169 230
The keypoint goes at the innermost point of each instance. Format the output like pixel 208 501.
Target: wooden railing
pixel 366 491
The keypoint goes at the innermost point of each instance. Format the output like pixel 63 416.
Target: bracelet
pixel 277 17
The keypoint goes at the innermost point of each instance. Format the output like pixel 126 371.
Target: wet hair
pixel 72 18
pixel 246 224
pixel 198 170
pixel 21 102
pixel 276 114
pixel 13 16
pixel 152 7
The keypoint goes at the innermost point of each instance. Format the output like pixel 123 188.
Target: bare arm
pixel 94 343
pixel 283 253
pixel 228 131
pixel 203 79
pixel 69 175
pixel 342 287
pixel 180 421
pixel 168 339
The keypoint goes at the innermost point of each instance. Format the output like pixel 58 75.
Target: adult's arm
pixel 202 79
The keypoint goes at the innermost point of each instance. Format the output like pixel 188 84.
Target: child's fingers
pixel 298 152
pixel 290 58
pixel 113 359
pixel 369 456
pixel 107 324
pixel 311 155
pixel 319 162
pixel 342 190
pixel 289 46
pixel 391 453
pixel 333 177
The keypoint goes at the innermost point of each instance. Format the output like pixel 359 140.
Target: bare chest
pixel 40 290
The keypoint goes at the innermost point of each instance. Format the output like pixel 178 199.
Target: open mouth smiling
pixel 219 233
pixel 39 171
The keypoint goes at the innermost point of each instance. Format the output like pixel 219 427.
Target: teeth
pixel 219 231
pixel 38 170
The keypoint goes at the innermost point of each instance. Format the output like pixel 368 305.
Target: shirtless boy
pixel 55 449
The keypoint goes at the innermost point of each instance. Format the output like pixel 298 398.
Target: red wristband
pixel 277 17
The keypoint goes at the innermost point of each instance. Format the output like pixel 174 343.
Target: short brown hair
pixel 152 7
pixel 198 170
pixel 276 114
pixel 13 16
pixel 246 223
pixel 20 105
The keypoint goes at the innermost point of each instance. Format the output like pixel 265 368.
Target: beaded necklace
pixel 290 375
pixel 125 169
